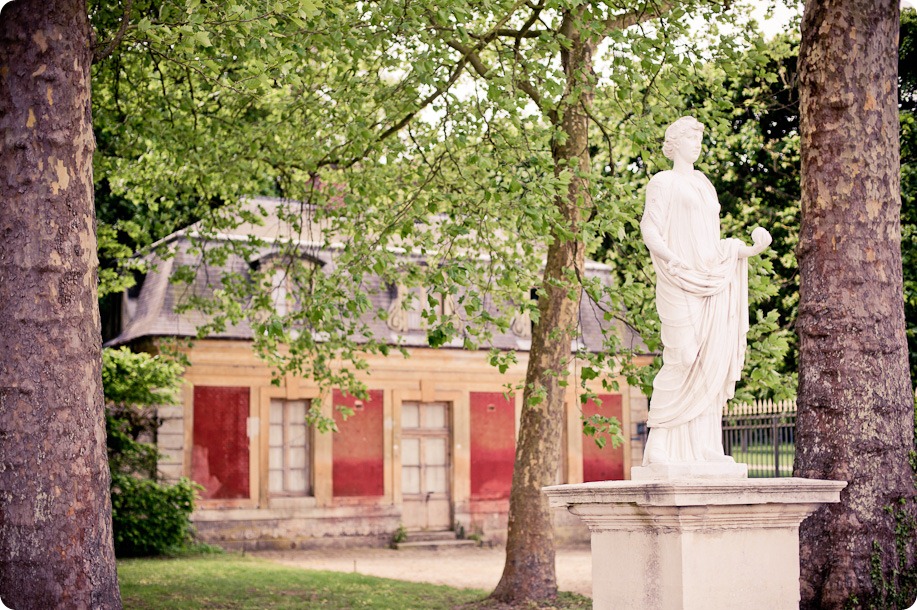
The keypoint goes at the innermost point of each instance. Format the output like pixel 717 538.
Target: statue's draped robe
pixel 703 310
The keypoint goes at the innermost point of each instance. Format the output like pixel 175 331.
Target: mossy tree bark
pixel 856 407
pixel 55 526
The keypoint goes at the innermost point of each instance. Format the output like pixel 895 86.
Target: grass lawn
pixel 760 458
pixel 243 583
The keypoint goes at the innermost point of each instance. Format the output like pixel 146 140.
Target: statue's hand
pixel 676 267
pixel 762 239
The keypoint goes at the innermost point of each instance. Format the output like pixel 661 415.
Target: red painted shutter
pixel 605 464
pixel 493 444
pixel 358 452
pixel 220 455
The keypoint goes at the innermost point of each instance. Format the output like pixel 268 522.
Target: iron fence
pixel 762 435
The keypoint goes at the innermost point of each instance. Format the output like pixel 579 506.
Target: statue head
pixel 686 126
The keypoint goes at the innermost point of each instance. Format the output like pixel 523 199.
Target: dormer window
pixel 406 311
pixel 290 278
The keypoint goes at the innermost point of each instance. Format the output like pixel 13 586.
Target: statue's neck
pixel 683 167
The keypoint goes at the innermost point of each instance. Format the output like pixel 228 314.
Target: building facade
pixel 430 449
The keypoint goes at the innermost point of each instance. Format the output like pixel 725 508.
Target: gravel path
pixel 465 567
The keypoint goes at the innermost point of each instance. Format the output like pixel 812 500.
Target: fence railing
pixel 762 435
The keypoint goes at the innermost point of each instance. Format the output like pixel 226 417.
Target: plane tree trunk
pixel 529 571
pixel 55 512
pixel 856 407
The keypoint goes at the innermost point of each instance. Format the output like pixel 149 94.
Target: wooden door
pixel 220 454
pixel 426 466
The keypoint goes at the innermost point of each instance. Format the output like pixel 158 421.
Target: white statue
pixel 702 299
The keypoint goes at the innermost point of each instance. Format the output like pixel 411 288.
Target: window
pixel 289 278
pixel 424 448
pixel 289 471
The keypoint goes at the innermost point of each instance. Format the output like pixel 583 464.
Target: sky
pixel 783 14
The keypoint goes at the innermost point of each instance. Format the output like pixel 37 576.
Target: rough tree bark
pixel 55 524
pixel 856 410
pixel 529 572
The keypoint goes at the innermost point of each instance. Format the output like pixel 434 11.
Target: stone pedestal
pixel 700 470
pixel 695 544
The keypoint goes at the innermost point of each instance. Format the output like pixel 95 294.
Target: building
pixel 431 448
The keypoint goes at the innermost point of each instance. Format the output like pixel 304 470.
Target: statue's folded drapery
pixel 703 307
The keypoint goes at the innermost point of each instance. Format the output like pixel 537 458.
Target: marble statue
pixel 702 299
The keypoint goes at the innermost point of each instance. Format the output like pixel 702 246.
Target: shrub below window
pixel 150 518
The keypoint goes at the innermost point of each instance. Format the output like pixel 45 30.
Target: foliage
pixel 751 158
pixel 124 425
pixel 150 518
pixel 766 170
pixel 134 383
pixel 602 429
pixel 392 138
pixel 399 535
pixel 139 379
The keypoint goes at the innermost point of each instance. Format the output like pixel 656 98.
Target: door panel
pixel 425 466
pixel 220 452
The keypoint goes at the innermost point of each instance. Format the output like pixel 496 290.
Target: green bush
pixel 149 518
pixel 124 425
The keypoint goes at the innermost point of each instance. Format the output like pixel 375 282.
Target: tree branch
pixel 471 54
pixel 625 20
pixel 523 32
pixel 97 55
pixel 426 102
pixel 463 61
pixel 603 129
pixel 498 33
pixel 481 68
pixel 336 162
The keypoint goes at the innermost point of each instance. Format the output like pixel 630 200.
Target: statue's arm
pixel 651 223
pixel 654 241
pixel 761 239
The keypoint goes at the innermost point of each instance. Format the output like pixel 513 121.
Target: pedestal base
pixel 695 545
pixel 695 470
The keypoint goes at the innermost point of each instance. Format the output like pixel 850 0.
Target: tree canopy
pixel 501 144
pixel 375 117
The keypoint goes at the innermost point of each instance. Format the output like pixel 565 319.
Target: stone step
pixel 420 536
pixel 433 545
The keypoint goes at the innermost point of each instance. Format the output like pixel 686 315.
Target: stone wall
pixel 170 439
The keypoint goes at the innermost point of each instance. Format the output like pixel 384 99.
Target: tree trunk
pixel 55 526
pixel 856 409
pixel 529 571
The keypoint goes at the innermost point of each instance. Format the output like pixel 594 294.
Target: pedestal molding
pixel 630 517
pixel 698 492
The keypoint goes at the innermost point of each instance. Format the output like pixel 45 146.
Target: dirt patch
pixel 465 567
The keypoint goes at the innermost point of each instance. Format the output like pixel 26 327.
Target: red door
pixel 220 454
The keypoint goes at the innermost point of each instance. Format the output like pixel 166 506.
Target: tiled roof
pixel 153 311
